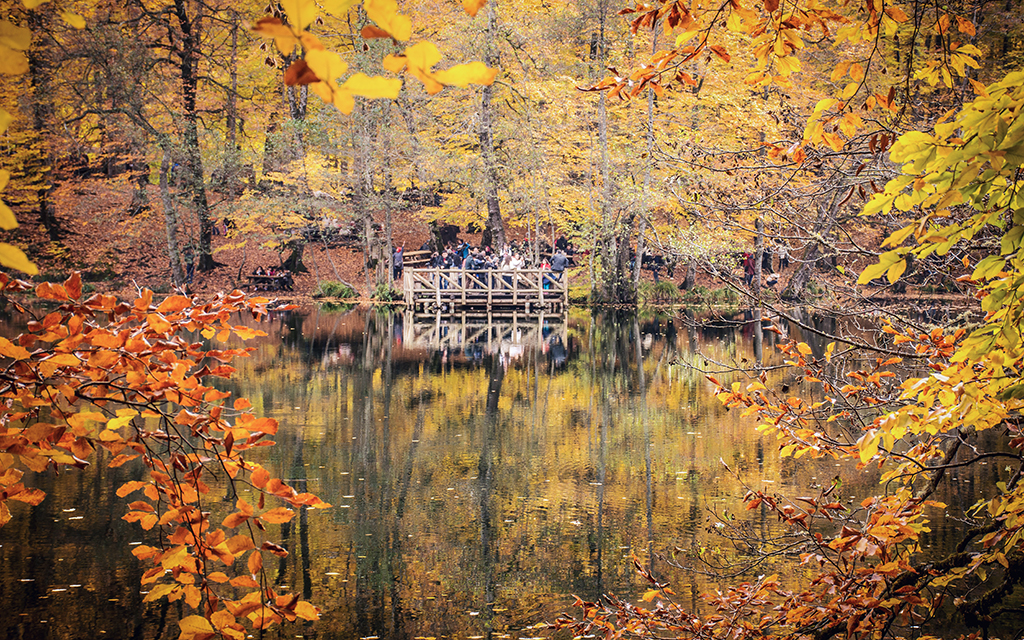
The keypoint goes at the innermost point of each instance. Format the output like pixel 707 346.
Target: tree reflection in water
pixel 481 474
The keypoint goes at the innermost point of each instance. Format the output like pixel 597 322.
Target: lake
pixel 480 476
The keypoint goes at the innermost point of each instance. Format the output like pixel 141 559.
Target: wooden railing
pixel 450 289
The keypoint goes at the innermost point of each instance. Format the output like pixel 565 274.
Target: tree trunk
pixel 42 111
pixel 640 245
pixel 494 229
pixel 170 222
pixel 614 279
pixel 807 262
pixel 691 275
pixel 193 166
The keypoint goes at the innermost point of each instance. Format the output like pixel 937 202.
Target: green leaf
pixel 988 268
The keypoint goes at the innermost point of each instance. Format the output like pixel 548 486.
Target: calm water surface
pixel 480 477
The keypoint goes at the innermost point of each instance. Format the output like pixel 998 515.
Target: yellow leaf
pixel 422 55
pixel 473 6
pixel 159 591
pixel 385 14
pixel 14 258
pixel 897 237
pixel 393 63
pixel 173 558
pixel 856 72
pixel 895 271
pixel 300 12
pixel 327 65
pixel 32 4
pixel 338 7
pixel 868 445
pixel 19 38
pixel 650 595
pixel 5 120
pixel 7 219
pixel 117 423
pixel 12 62
pixel 804 348
pixel 73 19
pixel 195 624
pixel 344 102
pixel 363 85
pixel 465 74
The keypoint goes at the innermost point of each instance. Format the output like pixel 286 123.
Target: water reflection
pixel 482 473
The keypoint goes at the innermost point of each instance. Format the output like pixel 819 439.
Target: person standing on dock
pixel 558 264
pixel 397 264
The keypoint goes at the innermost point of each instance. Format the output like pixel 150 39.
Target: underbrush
pixel 333 289
pixel 663 292
pixel 725 296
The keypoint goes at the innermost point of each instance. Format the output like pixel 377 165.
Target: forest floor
pixel 118 253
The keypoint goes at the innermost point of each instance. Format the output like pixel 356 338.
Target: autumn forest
pixel 782 397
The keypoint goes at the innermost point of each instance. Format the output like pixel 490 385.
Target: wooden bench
pixel 270 283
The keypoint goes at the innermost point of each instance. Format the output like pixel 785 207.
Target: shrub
pixel 663 292
pixel 384 293
pixel 333 289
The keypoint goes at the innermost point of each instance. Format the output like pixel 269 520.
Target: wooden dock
pixel 485 291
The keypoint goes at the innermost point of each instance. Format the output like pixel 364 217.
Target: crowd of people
pixel 511 258
pixel 272 279
pixel 771 277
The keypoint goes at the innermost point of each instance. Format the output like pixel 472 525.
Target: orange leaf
pixel 371 32
pixel 174 304
pixel 299 73
pixel 29 496
pixel 73 286
pixel 244 581
pixel 305 610
pixel 279 515
pixel 234 520
pixel 255 563
pixel 50 291
pixel 275 549
pixel 260 477
pixel 129 487
pixel 720 51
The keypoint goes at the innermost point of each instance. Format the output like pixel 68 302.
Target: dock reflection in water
pixel 476 335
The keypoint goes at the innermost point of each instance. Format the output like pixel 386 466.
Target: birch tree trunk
pixel 494 228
